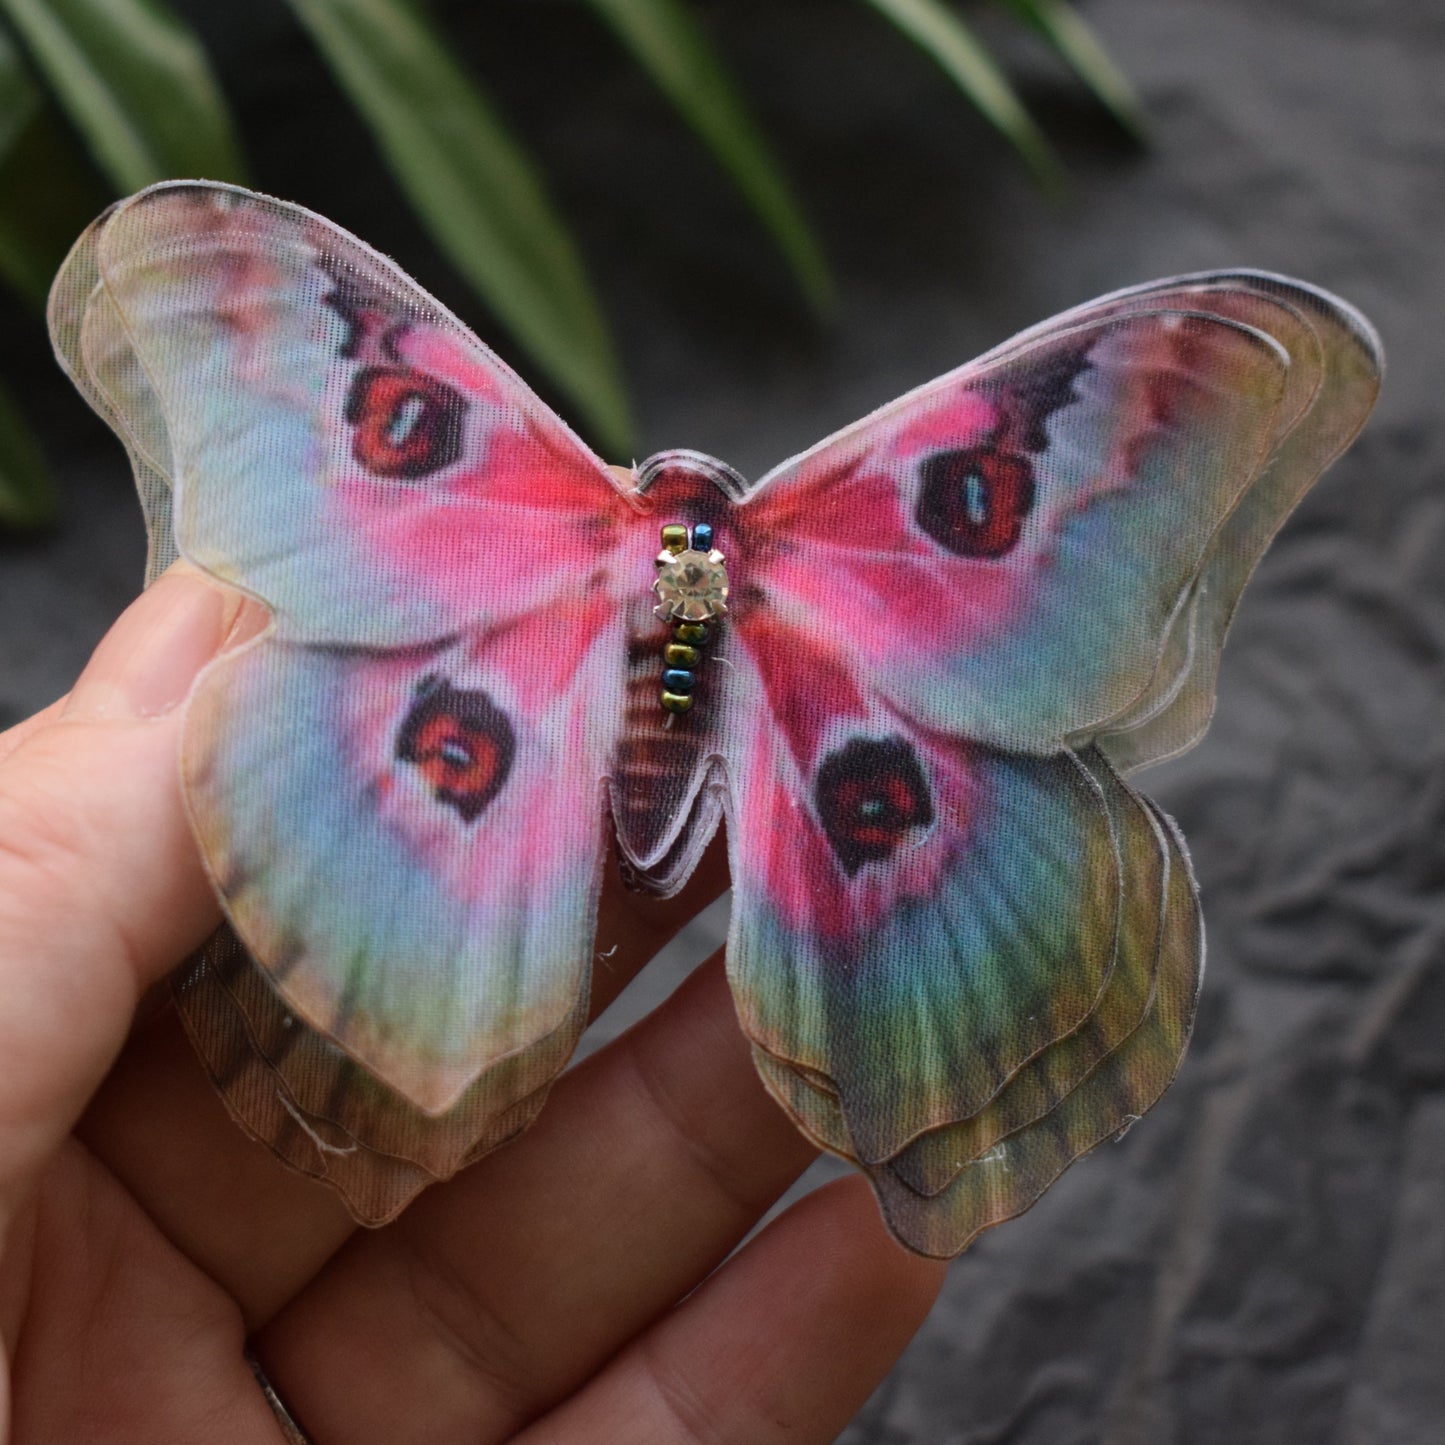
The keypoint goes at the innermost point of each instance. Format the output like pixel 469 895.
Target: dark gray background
pixel 1263 1259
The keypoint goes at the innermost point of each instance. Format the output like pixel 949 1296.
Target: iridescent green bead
pixel 691 632
pixel 679 654
pixel 674 537
pixel 676 701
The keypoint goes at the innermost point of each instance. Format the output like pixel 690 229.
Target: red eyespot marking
pixel 406 424
pixel 975 502
pixel 870 794
pixel 460 742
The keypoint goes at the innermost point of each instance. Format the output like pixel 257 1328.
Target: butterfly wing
pixel 1013 1174
pixel 366 779
pixel 934 1159
pixel 1008 546
pixel 881 937
pixel 345 435
pixel 995 571
pixel 1336 364
pixel 92 346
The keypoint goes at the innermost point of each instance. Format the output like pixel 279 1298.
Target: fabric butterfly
pixel 964 949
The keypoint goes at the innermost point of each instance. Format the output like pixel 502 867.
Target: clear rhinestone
pixel 691 586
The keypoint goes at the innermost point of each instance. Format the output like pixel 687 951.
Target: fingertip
pixel 145 665
pixel 852 1250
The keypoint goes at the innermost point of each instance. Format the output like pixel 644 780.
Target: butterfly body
pixel 907 669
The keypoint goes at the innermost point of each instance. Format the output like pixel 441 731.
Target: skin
pixel 583 1283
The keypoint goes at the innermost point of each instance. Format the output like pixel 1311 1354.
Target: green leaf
pixel 960 53
pixel 47 190
pixel 27 495
pixel 20 99
pixel 1067 32
pixel 135 82
pixel 476 191
pixel 667 40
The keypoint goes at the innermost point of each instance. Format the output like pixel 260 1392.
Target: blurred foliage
pixel 102 97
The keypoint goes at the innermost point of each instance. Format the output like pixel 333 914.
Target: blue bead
pixel 702 536
pixel 677 679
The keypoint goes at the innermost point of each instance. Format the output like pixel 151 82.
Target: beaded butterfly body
pixel 964 950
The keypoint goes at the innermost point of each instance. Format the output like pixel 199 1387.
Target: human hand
pixel 575 1286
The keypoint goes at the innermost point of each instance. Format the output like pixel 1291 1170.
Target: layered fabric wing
pixel 915 917
pixel 327 1117
pixel 354 456
pixel 950 1185
pixel 1012 1175
pixel 422 884
pixel 1007 548
pixel 443 675
pixel 1336 364
pixel 92 345
pixel 963 949
pixel 947 602
pixel 933 1160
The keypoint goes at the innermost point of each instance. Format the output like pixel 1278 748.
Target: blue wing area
pixel 373 823
pixel 913 919
pixel 338 443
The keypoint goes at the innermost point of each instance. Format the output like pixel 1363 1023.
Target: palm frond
pixel 965 59
pixel 476 191
pixel 1075 41
pixel 673 48
pixel 136 83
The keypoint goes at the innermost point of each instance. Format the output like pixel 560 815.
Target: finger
pixel 101 888
pixel 122 1339
pixel 783 1344
pixel 499 1294
pixel 256 1227
pixel 12 737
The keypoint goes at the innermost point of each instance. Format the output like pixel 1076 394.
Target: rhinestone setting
pixel 691 586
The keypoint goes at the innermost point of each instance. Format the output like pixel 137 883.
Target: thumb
pixel 101 886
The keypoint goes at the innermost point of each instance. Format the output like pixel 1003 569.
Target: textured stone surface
pixel 1263 1258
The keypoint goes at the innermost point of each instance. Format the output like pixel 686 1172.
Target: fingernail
pixel 145 665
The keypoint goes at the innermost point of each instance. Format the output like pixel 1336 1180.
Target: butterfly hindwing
pixel 374 831
pixel 932 1161
pixel 325 1115
pixel 1016 1171
pixel 914 917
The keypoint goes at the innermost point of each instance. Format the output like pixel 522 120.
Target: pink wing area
pixel 915 916
pixel 1005 549
pixel 952 619
pixel 341 446
pixel 399 789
